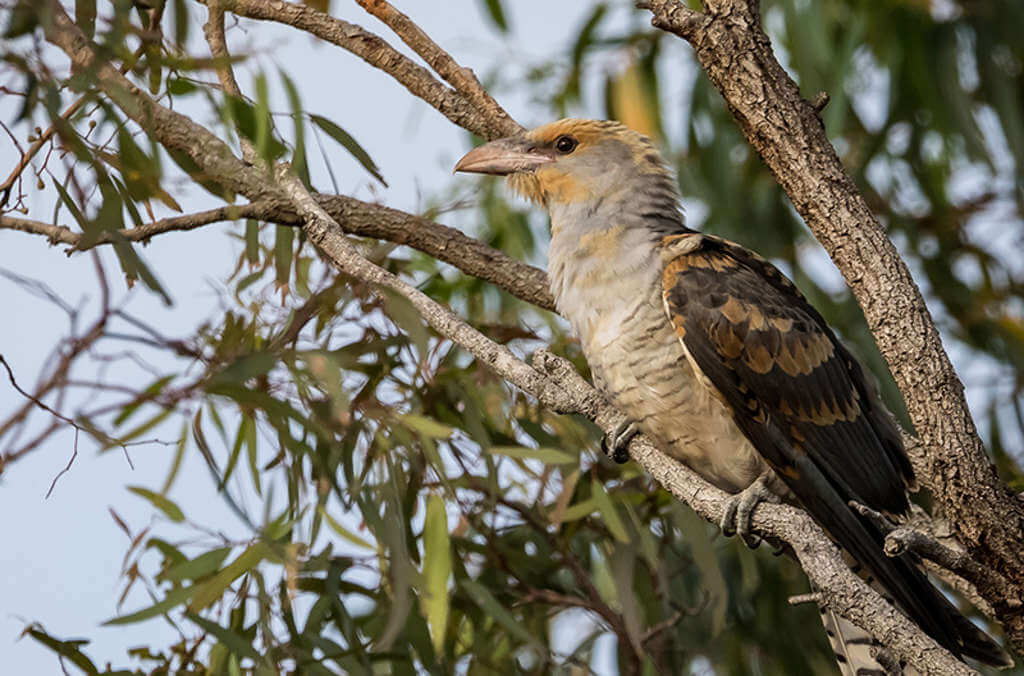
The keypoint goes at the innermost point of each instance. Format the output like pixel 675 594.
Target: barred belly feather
pixel 635 355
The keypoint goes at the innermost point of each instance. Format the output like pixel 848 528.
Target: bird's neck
pixel 599 245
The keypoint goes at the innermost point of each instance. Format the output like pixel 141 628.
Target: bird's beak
pixel 504 156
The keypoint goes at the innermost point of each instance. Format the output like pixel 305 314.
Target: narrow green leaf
pixel 181 23
pixel 253 122
pixel 252 242
pixel 211 590
pixel 407 317
pixel 344 532
pixel 236 451
pixel 147 394
pixel 349 144
pixel 426 426
pixel 199 567
pixel 23 19
pixel 156 71
pixel 232 641
pixel 437 568
pixel 244 368
pixel 580 510
pixel 76 213
pixel 496 14
pixel 179 86
pixel 703 550
pixel 299 162
pixel 189 166
pixel 551 456
pixel 264 125
pixel 173 599
pixel 608 511
pixel 483 598
pixel 67 649
pixel 161 502
pixel 252 455
pixel 179 456
pixel 144 427
pixel 283 240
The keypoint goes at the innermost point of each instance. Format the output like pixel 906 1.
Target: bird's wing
pixel 803 403
pixel 772 357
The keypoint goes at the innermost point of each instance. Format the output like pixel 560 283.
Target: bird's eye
pixel 565 144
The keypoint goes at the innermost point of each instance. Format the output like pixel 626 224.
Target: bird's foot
pixel 739 510
pixel 889 663
pixel 616 443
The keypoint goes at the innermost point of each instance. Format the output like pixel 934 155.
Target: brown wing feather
pixel 753 322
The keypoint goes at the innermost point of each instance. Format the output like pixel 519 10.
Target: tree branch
pixel 787 132
pixel 375 51
pixel 462 79
pixel 356 217
pixel 62 234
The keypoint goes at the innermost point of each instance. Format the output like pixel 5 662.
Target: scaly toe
pixel 616 444
pixel 739 511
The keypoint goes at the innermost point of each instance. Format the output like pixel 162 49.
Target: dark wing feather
pixel 805 405
pixel 751 321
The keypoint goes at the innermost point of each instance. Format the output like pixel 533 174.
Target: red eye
pixel 565 144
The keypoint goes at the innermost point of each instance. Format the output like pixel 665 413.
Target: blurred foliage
pixel 407 511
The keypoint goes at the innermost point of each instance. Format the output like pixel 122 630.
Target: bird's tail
pixel 855 649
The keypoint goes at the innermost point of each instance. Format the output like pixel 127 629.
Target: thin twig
pixel 462 79
pixel 34 400
pixel 356 217
pixel 375 51
pixel 907 539
pixel 55 414
pixel 67 467
pixel 798 599
pixel 62 234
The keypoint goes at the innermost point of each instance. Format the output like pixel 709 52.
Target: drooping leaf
pixel 238 645
pixel 496 13
pixel 437 568
pixel 209 591
pixel 551 456
pixel 350 144
pixel 161 502
pixel 68 649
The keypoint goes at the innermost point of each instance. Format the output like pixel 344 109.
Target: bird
pixel 719 359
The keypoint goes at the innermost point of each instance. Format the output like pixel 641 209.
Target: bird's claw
pixel 616 443
pixel 739 510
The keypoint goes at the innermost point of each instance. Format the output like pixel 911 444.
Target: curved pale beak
pixel 504 156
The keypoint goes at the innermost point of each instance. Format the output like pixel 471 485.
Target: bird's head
pixel 572 162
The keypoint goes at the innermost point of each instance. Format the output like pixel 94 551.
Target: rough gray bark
pixel 787 132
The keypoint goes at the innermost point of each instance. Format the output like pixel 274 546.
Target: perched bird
pixel 718 358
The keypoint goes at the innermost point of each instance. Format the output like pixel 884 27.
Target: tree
pixel 443 498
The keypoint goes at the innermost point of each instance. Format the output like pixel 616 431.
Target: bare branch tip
pixel 821 100
pixel 799 599
pixel 878 518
